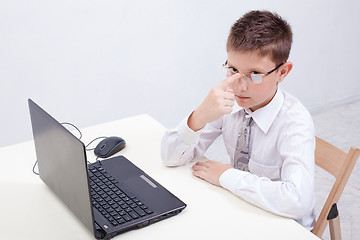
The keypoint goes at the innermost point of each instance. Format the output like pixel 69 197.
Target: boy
pixel 270 141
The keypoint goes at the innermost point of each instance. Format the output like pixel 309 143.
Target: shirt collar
pixel 265 116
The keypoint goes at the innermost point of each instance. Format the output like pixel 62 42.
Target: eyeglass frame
pixel 247 78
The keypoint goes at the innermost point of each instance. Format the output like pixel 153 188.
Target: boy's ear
pixel 284 70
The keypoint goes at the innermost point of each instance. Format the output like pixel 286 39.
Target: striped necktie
pixel 241 156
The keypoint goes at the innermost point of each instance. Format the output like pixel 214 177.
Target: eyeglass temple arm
pixel 274 69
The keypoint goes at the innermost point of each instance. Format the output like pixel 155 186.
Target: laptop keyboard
pixel 112 202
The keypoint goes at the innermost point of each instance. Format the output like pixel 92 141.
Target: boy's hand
pixel 210 171
pixel 218 102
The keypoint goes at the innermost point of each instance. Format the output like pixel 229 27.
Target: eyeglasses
pixel 253 77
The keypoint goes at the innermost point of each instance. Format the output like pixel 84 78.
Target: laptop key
pixel 126 217
pixel 120 221
pixel 129 202
pixel 133 214
pixel 117 205
pixel 139 211
pixel 122 212
pixel 148 211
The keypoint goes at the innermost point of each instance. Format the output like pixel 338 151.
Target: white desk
pixel 29 210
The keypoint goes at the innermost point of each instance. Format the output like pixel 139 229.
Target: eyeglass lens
pixel 253 78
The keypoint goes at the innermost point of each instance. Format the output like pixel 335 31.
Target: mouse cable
pixel 34 168
pixel 89 149
pixel 67 123
pixel 63 123
pixel 96 160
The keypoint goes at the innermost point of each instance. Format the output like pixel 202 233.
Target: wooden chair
pixel 339 164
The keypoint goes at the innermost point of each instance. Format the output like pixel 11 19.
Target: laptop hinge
pixel 99 232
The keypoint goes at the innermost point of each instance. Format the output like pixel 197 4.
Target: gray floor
pixel 341 127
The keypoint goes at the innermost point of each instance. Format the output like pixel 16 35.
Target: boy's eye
pixel 255 72
pixel 233 69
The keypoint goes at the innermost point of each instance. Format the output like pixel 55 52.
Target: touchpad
pixel 121 168
pixel 142 186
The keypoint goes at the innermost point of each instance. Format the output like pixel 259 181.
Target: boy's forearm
pixel 195 121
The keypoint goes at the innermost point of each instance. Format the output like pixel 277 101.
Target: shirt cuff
pixel 186 134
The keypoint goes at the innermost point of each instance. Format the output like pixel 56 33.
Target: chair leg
pixel 334 226
pixel 334 223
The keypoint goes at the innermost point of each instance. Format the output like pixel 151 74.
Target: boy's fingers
pixel 229 103
pixel 229 80
pixel 198 174
pixel 229 95
pixel 200 166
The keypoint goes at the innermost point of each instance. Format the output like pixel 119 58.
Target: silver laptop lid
pixel 62 163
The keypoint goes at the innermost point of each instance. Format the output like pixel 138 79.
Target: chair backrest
pixel 339 164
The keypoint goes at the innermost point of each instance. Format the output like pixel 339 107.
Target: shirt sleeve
pixel 182 145
pixel 292 195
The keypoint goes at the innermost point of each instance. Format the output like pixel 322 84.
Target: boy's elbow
pixel 165 158
pixel 299 210
pixel 169 158
pixel 172 154
pixel 168 161
pixel 298 204
pixel 170 164
pixel 175 158
pixel 167 153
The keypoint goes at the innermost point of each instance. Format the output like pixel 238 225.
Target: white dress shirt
pixel 281 164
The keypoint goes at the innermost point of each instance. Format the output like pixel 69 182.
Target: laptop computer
pixel 110 196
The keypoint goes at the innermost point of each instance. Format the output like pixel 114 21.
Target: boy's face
pixel 251 95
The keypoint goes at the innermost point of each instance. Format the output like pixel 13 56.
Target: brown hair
pixel 264 32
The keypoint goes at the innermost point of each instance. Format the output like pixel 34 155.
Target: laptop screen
pixel 62 163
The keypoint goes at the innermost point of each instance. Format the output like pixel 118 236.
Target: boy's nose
pixel 241 85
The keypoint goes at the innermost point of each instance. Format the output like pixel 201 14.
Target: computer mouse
pixel 109 146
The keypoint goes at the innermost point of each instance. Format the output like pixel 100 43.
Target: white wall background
pixel 89 62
